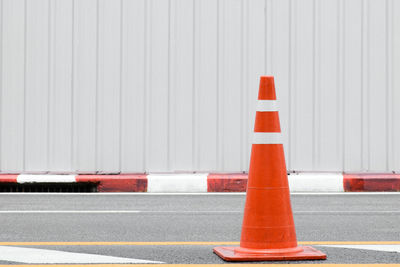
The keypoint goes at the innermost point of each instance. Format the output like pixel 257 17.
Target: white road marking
pixel 68 211
pixel 387 248
pixel 192 211
pixel 45 256
pixel 114 211
pixel 348 212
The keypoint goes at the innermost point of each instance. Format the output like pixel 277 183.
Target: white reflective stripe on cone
pixel 267 105
pixel 267 138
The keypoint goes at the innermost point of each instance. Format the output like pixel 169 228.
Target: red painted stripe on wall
pixel 234 182
pixel 117 183
pixel 8 178
pixel 371 182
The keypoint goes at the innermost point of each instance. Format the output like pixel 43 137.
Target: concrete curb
pixel 204 182
pixel 371 182
pixel 230 182
pixel 116 183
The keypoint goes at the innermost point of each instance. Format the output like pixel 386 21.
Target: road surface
pixel 184 228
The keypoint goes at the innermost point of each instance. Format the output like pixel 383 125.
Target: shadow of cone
pixel 268 231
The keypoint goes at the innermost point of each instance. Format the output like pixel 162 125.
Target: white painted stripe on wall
pixel 318 182
pixel 175 183
pixel 267 105
pixel 267 138
pixel 46 256
pixel 45 178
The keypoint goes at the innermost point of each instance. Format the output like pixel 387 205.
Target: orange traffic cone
pixel 268 231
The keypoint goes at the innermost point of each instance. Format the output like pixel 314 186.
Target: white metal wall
pixel 170 85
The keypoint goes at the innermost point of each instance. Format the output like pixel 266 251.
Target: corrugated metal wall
pixel 170 85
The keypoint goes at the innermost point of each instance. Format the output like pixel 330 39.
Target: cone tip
pixel 267 88
pixel 267 77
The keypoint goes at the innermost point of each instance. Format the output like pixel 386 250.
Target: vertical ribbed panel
pixel 85 88
pixel 109 86
pixel 394 82
pixel 60 86
pixel 133 85
pixel 115 86
pixel 206 85
pixel 36 85
pixel 13 86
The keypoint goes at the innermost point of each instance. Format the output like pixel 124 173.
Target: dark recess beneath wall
pixel 48 187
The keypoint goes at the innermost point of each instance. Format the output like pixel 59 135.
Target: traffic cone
pixel 268 231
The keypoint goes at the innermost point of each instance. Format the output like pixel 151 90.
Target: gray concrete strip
pixel 194 194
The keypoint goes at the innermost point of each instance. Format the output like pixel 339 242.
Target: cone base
pixel 308 253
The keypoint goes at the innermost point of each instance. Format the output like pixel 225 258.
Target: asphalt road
pixel 321 218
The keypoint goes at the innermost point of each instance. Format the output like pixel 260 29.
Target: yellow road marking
pixel 114 243
pixel 350 243
pixel 187 243
pixel 197 265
